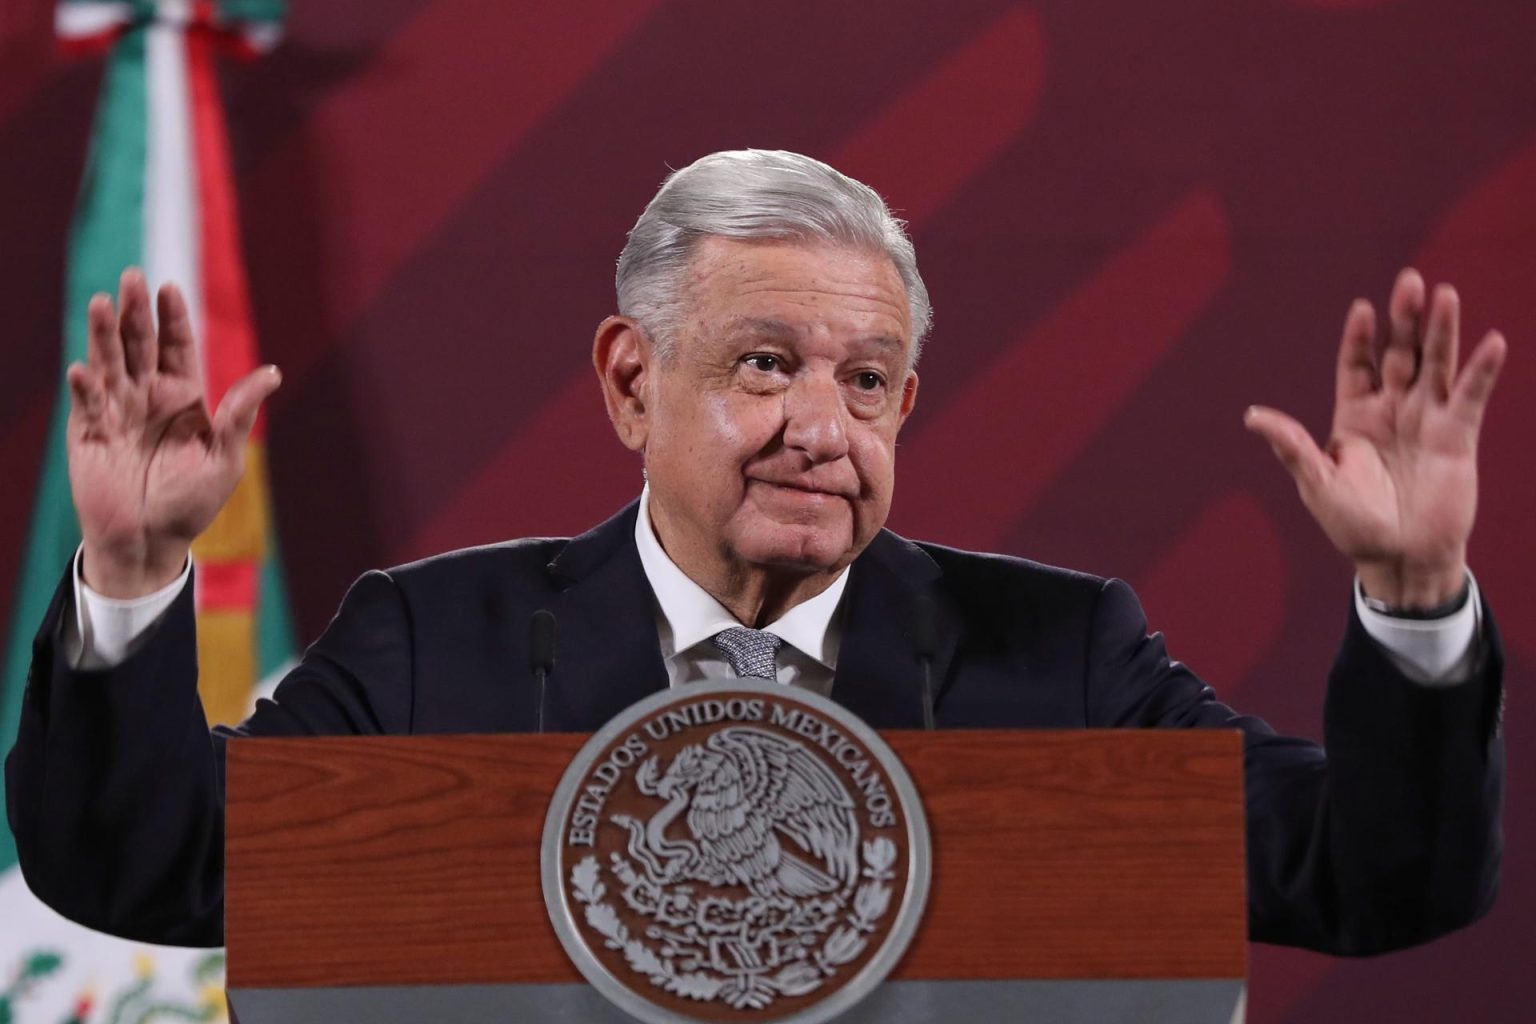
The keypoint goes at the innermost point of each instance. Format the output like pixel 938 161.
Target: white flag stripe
pixel 172 251
pixel 74 21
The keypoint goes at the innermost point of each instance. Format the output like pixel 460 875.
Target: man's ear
pixel 622 354
pixel 908 396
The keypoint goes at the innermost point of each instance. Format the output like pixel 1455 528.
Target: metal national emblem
pixel 735 851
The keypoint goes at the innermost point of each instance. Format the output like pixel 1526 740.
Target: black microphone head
pixel 925 627
pixel 541 640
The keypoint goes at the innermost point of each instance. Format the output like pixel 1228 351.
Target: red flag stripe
pixel 229 336
pixel 226 586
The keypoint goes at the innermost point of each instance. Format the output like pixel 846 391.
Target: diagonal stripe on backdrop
pixel 1080 369
pixel 961 133
pixel 1232 548
pixel 414 144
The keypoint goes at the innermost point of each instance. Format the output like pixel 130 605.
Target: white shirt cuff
pixel 1431 652
pixel 105 631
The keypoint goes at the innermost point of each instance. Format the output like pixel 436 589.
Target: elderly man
pixel 762 364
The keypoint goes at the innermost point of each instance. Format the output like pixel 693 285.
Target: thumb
pixel 236 415
pixel 1292 445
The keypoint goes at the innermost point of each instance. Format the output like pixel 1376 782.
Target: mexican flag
pixel 158 193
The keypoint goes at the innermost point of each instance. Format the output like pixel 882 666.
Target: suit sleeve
pixel 115 786
pixel 1391 837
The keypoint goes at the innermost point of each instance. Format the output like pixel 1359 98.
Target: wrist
pixel 1413 589
pixel 124 576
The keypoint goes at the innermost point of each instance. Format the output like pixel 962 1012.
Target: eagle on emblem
pixel 745 791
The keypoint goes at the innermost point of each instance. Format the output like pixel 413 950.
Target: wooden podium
pixel 1077 875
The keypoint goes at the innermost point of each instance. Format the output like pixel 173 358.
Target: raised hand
pixel 148 466
pixel 1396 487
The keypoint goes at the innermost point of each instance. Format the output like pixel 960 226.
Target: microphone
pixel 541 653
pixel 925 637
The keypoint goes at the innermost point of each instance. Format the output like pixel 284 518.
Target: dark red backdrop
pixel 1135 219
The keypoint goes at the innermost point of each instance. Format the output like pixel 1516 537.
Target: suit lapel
pixel 607 654
pixel 879 675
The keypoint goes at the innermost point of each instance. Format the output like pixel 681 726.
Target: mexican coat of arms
pixel 735 851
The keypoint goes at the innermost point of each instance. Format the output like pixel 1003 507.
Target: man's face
pixel 770 433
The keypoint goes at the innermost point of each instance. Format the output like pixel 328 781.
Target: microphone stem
pixel 543 689
pixel 928 693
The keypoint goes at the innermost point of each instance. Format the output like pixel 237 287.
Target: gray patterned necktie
pixel 750 652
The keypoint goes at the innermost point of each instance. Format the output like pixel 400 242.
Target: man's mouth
pixel 802 487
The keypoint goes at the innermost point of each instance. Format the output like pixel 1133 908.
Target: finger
pixel 134 324
pixel 87 391
pixel 1292 445
pixel 1357 353
pixel 236 414
pixel 1473 388
pixel 178 348
pixel 1441 340
pixel 1405 314
pixel 103 346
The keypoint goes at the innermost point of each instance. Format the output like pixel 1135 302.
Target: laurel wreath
pixel 604 920
pixel 871 901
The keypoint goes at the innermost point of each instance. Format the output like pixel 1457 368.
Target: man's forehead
pixel 778 287
pixel 741 325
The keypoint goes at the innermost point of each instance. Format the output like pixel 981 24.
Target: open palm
pixel 1395 489
pixel 149 468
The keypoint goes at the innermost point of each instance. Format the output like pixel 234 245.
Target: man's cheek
pixel 747 421
pixel 875 462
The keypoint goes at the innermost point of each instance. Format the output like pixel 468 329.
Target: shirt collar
pixel 689 615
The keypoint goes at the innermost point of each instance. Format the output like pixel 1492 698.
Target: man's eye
pixel 763 362
pixel 868 381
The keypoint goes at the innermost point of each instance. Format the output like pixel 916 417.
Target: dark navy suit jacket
pixel 115 785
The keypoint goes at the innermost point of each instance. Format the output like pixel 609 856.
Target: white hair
pixel 755 194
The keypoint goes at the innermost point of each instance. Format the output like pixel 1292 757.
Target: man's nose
pixel 815 418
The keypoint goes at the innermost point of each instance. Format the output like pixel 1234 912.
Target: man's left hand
pixel 1396 487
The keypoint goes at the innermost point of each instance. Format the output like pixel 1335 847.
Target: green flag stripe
pixel 275 641
pixel 252 10
pixel 107 235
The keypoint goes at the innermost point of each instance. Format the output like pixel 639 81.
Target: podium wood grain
pixel 415 860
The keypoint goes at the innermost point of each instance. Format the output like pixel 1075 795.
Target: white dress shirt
pixel 686 618
pixel 105 631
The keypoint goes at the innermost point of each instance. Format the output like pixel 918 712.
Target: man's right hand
pixel 148 466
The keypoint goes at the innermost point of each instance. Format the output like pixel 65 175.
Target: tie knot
pixel 750 652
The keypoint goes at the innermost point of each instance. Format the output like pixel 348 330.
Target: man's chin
pixel 800 550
